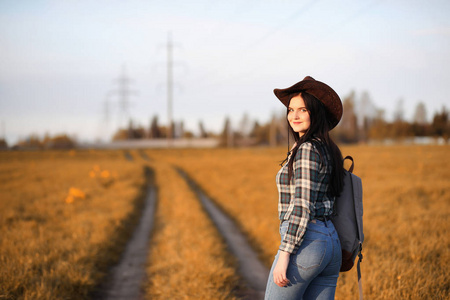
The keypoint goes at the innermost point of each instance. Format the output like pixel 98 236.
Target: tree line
pixel 362 122
pixel 35 142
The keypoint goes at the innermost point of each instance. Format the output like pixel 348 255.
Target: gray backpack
pixel 347 218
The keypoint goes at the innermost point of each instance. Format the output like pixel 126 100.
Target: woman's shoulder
pixel 308 147
pixel 313 144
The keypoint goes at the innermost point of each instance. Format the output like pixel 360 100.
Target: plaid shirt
pixel 305 197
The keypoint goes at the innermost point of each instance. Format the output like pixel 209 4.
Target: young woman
pixel 309 257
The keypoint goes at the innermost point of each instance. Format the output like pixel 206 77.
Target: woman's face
pixel 298 115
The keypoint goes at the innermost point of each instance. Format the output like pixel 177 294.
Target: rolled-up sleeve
pixel 304 192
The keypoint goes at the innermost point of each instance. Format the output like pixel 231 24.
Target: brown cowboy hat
pixel 319 90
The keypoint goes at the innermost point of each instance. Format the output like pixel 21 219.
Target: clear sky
pixel 60 60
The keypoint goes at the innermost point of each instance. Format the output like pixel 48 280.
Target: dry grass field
pixel 64 219
pixel 64 216
pixel 406 205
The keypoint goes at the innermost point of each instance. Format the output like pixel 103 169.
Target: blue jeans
pixel 313 271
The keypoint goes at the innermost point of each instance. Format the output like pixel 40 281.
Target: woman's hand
pixel 279 272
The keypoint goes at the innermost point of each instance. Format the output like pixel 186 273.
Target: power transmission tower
pixel 169 45
pixel 123 93
pixel 169 87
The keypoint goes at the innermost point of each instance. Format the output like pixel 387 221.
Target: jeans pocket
pixel 310 254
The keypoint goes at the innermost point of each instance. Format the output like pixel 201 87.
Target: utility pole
pixel 169 87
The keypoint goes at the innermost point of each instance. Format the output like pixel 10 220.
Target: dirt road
pixel 125 279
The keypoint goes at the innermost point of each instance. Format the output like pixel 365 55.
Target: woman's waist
pixel 320 225
pixel 324 226
pixel 321 211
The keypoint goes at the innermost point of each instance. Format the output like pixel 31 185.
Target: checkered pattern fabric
pixel 305 196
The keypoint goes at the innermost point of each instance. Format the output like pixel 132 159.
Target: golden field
pixel 406 211
pixel 65 217
pixel 58 212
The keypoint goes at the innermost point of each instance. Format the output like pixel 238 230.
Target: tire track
pixel 250 267
pixel 125 279
pixel 144 155
pixel 128 156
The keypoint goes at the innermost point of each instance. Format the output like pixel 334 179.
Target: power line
pixel 358 13
pixel 246 50
pixel 287 21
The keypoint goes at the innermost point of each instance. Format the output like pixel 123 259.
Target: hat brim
pixel 320 90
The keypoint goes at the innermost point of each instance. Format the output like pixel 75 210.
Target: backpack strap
pixel 358 268
pixel 358 264
pixel 349 158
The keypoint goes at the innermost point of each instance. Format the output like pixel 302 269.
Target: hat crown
pixel 320 90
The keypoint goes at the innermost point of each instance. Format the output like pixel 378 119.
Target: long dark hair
pixel 319 129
